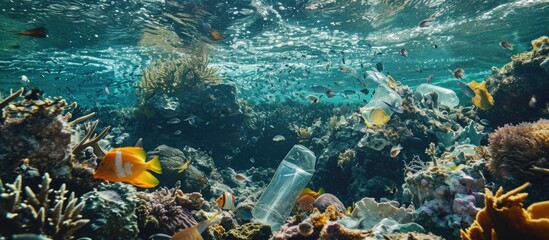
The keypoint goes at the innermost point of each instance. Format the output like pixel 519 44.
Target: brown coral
pixel 504 218
pixel 335 230
pixel 520 151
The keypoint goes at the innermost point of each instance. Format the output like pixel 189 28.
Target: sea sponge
pixel 520 151
pixel 504 218
pixel 249 231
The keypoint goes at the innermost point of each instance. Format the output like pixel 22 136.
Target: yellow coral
pixel 536 44
pixel 317 219
pixel 504 218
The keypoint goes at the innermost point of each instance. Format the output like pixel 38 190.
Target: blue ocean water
pixel 282 57
pixel 96 44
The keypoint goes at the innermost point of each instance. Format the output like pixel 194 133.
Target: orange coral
pixel 520 150
pixel 335 230
pixel 317 219
pixel 504 218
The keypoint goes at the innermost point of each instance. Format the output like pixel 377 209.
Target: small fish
pixel 391 189
pixel 39 32
pixel 346 69
pixel 349 209
pixel 485 122
pixel 426 22
pixel 349 92
pixel 216 35
pixel 319 88
pixel 458 73
pixel 379 67
pixel 183 166
pixel 241 177
pixel 328 65
pixel 506 45
pixel 107 91
pixel 278 138
pixel 365 91
pixel 393 107
pixel 192 120
pixel 436 46
pixel 430 78
pixel 465 89
pixel 305 203
pixel 173 121
pixel 404 52
pixel 206 27
pixel 395 150
pixel 532 102
pixel 24 79
pixel 177 132
pixel 226 201
pixel 330 93
pixel 313 99
pixel 128 165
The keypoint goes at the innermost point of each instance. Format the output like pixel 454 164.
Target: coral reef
pixel 447 195
pixel 520 151
pixel 171 76
pixel 368 213
pixel 47 211
pixel 516 83
pixel 249 231
pixel 111 209
pixel 504 217
pixel 166 205
pixel 335 230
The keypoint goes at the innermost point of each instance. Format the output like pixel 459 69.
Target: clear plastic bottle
pixel 291 177
pixel 446 97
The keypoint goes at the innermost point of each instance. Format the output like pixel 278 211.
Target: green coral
pixel 176 75
pixel 249 231
pixel 56 217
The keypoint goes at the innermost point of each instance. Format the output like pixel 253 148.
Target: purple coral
pixel 163 206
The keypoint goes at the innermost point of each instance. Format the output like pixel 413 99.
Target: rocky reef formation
pixel 111 209
pixel 46 212
pixel 519 88
pixel 520 151
pixel 504 217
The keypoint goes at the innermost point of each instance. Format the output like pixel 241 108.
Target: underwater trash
pixel 446 97
pixel 291 177
pixel 383 104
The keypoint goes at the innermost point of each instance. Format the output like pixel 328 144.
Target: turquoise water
pixel 92 45
pixel 224 139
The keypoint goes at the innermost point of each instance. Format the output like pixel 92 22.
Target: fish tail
pixel 321 191
pixel 154 165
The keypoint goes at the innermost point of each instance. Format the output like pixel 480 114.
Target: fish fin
pixel 307 190
pixel 183 166
pixel 145 180
pixel 154 165
pixel 135 151
pixel 321 191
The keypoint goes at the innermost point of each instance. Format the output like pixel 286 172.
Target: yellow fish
pixel 128 165
pixel 379 117
pixel 311 193
pixel 483 100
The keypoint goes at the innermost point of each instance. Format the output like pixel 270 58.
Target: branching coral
pixel 172 76
pixel 504 217
pixel 58 217
pixel 520 151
